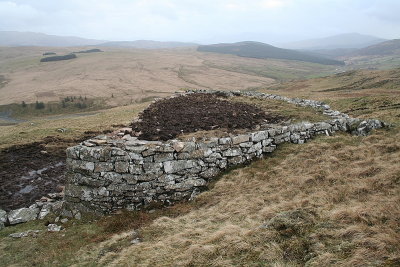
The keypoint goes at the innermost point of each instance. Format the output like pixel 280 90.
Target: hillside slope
pixel 341 41
pixel 261 50
pixel 391 47
pixel 356 83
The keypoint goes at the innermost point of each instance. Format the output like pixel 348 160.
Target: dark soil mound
pixel 168 118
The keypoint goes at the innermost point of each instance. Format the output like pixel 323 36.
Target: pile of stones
pixel 52 204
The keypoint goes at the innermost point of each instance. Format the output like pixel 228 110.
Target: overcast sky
pixel 203 21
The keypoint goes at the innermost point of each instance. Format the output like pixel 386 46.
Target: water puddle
pixel 35 173
pixel 27 189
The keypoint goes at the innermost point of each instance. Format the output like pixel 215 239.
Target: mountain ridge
pixel 147 44
pixel 340 41
pixel 261 50
pixel 15 38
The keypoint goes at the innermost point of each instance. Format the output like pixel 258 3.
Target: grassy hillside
pixel 261 50
pixel 391 47
pixel 377 84
pixel 334 201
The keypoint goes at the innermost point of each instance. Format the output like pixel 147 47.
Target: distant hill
pixel 147 44
pixel 261 50
pixel 347 40
pixel 391 47
pixel 331 53
pixel 13 38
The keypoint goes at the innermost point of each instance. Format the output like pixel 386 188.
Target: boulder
pixel 22 215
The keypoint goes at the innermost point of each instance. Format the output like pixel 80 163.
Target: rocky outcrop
pixel 108 173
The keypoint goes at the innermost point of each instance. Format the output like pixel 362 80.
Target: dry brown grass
pixel 349 184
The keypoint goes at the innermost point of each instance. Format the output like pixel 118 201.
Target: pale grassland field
pixel 131 74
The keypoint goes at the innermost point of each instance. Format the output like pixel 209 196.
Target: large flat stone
pixel 22 215
pixel 178 165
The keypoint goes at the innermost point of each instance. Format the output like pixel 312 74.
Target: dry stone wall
pixel 108 173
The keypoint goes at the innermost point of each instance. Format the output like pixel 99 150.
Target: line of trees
pixel 78 102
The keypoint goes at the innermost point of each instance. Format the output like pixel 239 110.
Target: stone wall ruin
pixel 108 173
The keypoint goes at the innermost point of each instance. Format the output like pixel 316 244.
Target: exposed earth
pixel 166 119
pixel 31 171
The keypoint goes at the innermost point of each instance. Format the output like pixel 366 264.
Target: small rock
pixel 65 220
pixel 25 234
pixel 2 226
pixel 98 142
pixel 44 199
pixel 78 216
pixel 88 144
pixel 61 130
pixel 56 195
pixel 57 219
pixel 57 206
pixel 126 130
pixel 134 234
pixel 54 227
pixel 136 241
pixel 44 212
pixel 43 152
pixel 39 203
pixel 178 146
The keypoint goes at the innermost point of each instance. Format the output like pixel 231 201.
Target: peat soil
pixel 31 171
pixel 166 119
